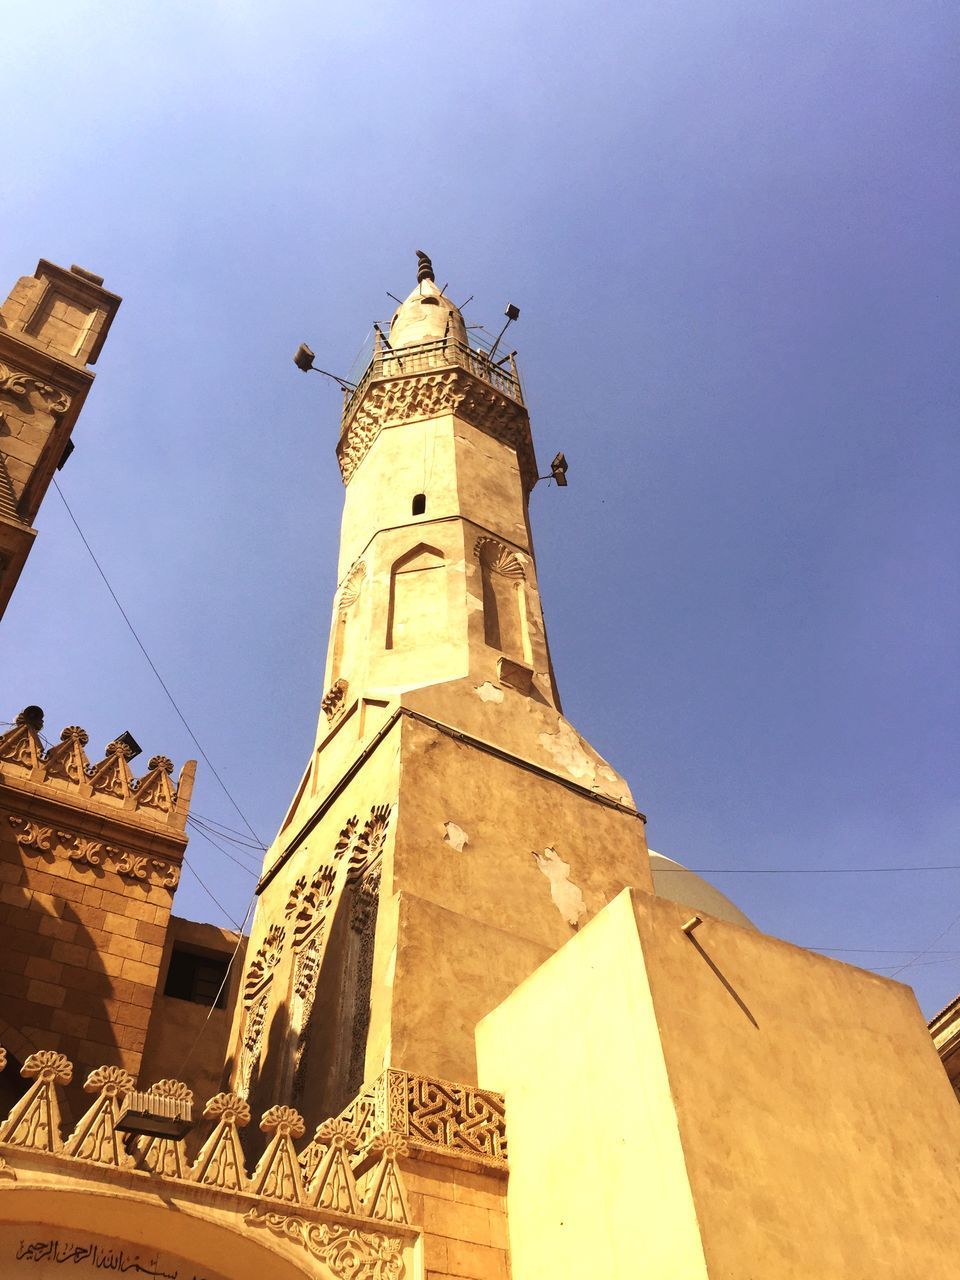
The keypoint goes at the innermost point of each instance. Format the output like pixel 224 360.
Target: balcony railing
pixel 396 362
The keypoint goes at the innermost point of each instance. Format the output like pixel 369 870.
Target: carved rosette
pixel 38 840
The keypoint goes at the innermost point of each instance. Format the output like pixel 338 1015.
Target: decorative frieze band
pixel 19 385
pixel 391 401
pixel 38 840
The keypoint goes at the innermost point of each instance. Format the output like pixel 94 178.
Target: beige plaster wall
pixel 818 1130
pixel 188 1041
pixel 598 1185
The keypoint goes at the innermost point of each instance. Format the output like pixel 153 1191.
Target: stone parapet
pixel 425 381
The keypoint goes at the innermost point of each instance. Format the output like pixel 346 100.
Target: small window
pixel 197 978
pixel 419 503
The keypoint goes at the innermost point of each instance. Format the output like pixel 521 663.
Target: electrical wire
pixel 216 901
pixel 805 871
pixel 245 846
pixel 226 852
pixel 133 632
pixel 927 950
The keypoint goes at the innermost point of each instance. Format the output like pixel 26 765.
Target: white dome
pixel 675 882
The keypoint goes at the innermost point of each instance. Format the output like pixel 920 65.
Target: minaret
pixel 452 829
pixel 52 326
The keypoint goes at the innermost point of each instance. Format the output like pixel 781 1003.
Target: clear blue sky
pixel 731 229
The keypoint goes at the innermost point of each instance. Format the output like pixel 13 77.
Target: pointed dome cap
pixel 426 316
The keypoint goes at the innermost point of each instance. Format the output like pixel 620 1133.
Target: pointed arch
pixel 418 597
pixel 348 597
pixel 503 582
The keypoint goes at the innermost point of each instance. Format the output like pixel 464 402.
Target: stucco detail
pixel 455 836
pixel 565 894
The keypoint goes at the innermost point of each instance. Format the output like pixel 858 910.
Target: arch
pixel 419 504
pixel 201 1237
pixel 503 583
pixel 348 597
pixel 418 597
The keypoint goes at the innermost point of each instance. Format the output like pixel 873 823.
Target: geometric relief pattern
pixel 431 1113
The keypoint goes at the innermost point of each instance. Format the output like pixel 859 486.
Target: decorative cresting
pixel 436 378
pixel 359 1235
pixel 430 1114
pixel 19 385
pixel 35 1119
pixel 96 1136
pixel 220 1160
pixel 66 770
pixel 278 1173
pixel 38 840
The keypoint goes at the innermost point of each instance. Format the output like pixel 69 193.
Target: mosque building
pixel 478 1029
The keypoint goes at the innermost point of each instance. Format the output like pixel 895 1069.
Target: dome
pixel 675 882
pixel 426 315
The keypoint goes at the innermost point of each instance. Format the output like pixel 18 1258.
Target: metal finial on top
pixel 424 268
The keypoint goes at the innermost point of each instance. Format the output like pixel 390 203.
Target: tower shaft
pixel 452 829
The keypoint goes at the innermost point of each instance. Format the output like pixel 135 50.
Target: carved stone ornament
pixel 499 558
pixel 430 1113
pixel 36 839
pixel 264 962
pixel 35 1119
pixel 334 701
pixel 350 591
pixel 219 1161
pixel 19 386
pixel 349 1253
pixel 96 1136
pixel 357 1239
pixel 369 844
pixel 66 768
pixel 277 1176
pixel 392 401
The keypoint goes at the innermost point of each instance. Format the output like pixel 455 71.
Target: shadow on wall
pixel 55 992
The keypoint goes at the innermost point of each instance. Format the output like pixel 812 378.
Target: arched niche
pixel 418 598
pixel 345 616
pixel 503 581
pixel 170 1238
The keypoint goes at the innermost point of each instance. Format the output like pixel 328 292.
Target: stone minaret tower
pixel 452 829
pixel 52 326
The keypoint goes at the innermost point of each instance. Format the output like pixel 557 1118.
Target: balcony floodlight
pixel 303 359
pixel 512 313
